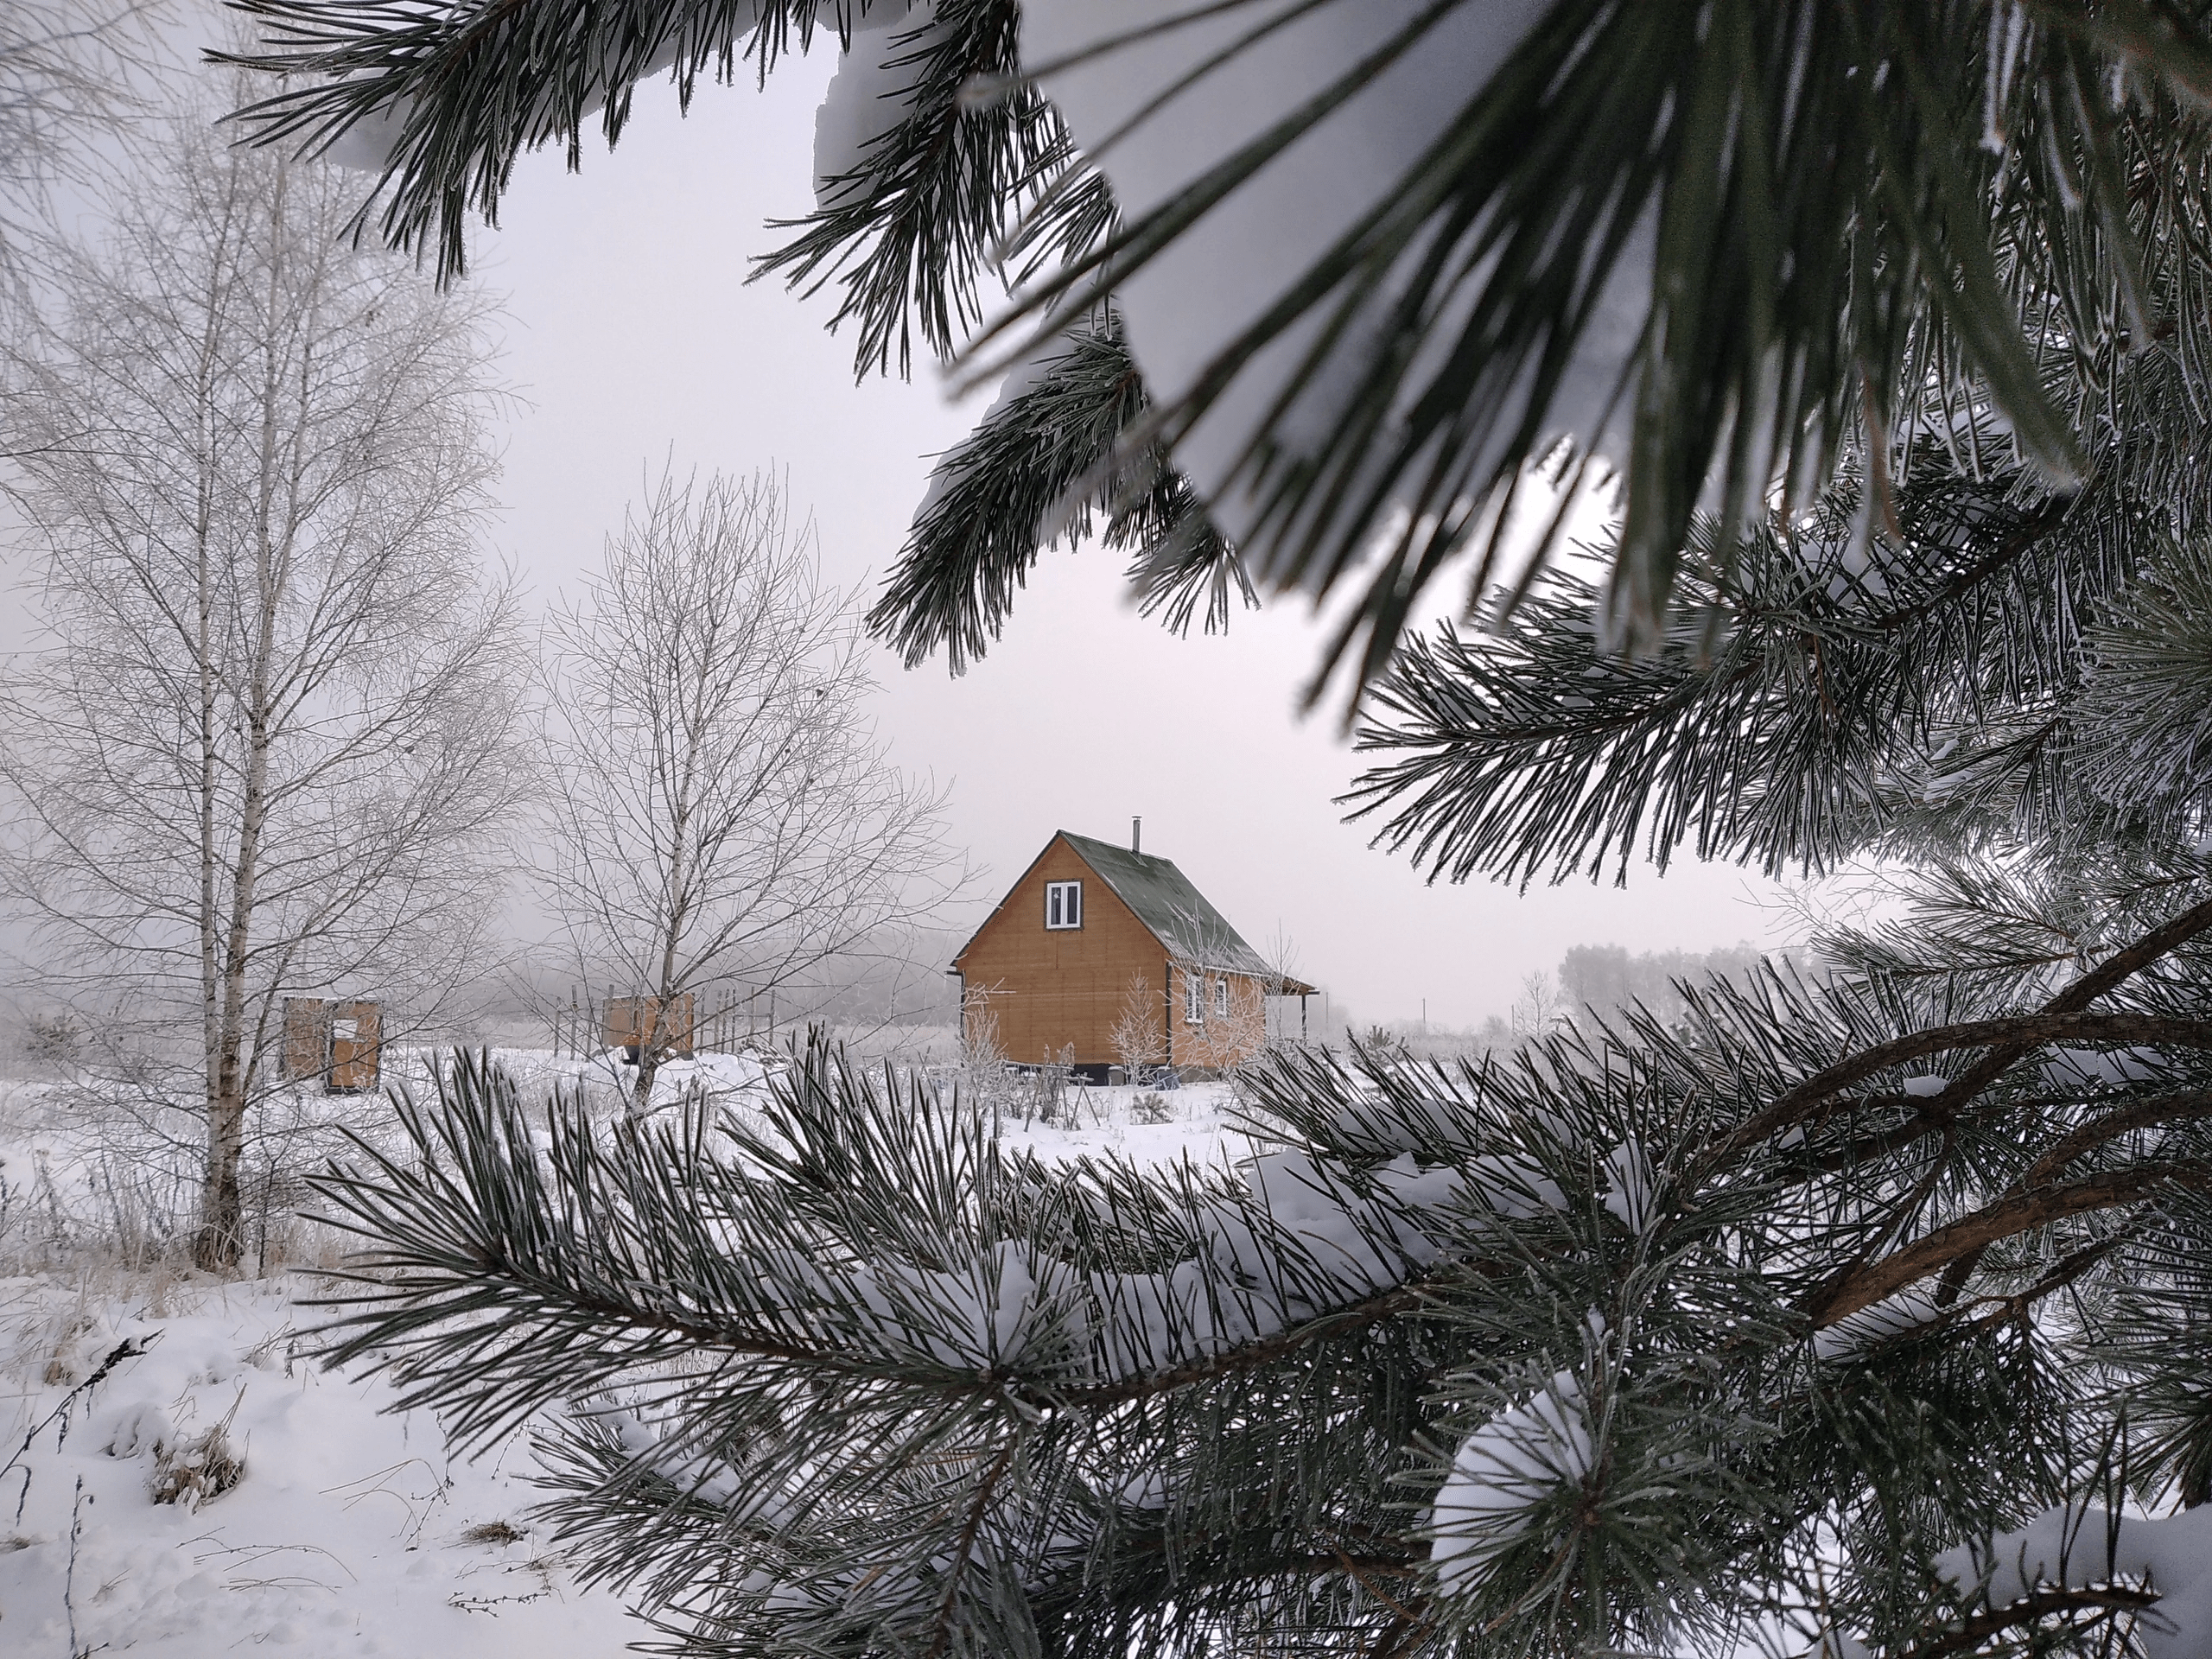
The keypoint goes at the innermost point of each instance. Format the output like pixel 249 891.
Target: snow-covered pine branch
pixel 1515 1322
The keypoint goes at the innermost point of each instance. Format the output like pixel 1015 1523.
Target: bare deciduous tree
pixel 1139 1037
pixel 721 811
pixel 267 729
pixel 65 64
pixel 69 70
pixel 1539 1009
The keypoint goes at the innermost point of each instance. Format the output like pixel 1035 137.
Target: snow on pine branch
pixel 1503 1475
pixel 372 143
pixel 872 92
pixel 1155 108
pixel 823 1339
pixel 2088 1547
pixel 870 1234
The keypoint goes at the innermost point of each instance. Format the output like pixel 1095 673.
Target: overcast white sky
pixel 631 334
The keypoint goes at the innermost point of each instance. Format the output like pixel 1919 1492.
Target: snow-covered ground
pixel 343 1528
pixel 349 1530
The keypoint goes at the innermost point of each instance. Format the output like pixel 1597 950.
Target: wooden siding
pixel 356 1046
pixel 305 1054
pixel 1220 1040
pixel 1048 991
pixel 628 1019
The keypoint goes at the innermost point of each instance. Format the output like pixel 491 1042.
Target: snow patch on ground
pixel 1098 1120
pixel 351 1531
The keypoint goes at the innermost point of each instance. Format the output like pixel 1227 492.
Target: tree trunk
pixel 679 905
pixel 221 1243
pixel 641 1091
pixel 211 976
pixel 226 1120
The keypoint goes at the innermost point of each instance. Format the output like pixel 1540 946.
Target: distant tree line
pixel 1603 979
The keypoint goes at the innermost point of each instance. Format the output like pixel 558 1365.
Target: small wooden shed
pixel 1099 952
pixel 356 1046
pixel 341 1043
pixel 630 1018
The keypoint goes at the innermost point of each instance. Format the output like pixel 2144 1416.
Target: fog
pixel 633 338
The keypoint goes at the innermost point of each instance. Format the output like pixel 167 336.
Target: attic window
pixel 1221 997
pixel 1063 904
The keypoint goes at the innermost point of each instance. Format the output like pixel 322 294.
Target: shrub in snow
pixel 194 1471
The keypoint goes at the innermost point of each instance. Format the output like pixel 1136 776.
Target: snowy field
pixel 180 1478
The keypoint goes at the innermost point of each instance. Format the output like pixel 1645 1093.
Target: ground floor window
pixel 1221 998
pixel 1194 1000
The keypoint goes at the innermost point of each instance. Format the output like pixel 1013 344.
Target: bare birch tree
pixel 722 815
pixel 267 730
pixel 69 71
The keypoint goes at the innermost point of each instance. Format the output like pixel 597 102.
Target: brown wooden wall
pixel 305 1052
pixel 356 1046
pixel 628 1018
pixel 1050 989
pixel 1217 1041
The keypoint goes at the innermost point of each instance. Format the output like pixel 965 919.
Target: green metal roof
pixel 1177 912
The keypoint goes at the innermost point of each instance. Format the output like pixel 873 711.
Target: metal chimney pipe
pixel 1137 834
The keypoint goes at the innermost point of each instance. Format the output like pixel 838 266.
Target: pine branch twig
pixel 2012 1215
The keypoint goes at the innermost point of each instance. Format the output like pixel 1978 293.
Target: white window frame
pixel 1221 997
pixel 1062 907
pixel 1194 999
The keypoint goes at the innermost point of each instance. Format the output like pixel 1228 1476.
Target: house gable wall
pixel 1051 988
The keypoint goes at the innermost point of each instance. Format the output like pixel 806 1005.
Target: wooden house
pixel 1102 956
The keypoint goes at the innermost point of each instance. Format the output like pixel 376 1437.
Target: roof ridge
pixel 1169 906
